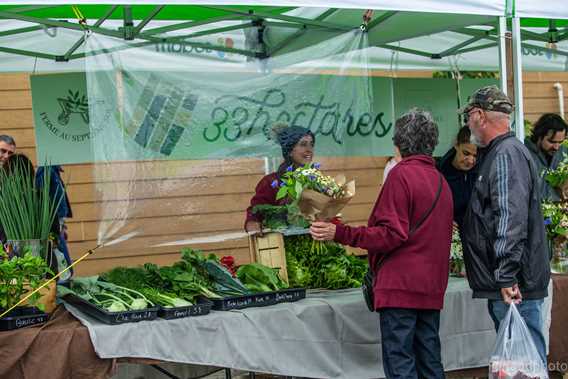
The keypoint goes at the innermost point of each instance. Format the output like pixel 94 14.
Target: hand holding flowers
pixel 323 231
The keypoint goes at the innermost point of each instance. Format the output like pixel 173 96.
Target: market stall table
pixel 330 334
pixel 60 349
pixel 348 336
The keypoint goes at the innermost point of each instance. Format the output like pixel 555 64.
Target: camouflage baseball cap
pixel 489 98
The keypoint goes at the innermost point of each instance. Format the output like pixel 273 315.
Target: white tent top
pixel 554 9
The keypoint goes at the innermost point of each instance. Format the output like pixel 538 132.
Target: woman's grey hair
pixel 415 132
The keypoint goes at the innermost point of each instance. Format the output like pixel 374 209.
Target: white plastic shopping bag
pixel 515 355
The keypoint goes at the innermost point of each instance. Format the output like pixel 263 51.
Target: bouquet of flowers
pixel 457 267
pixel 556 221
pixel 317 196
pixel 558 178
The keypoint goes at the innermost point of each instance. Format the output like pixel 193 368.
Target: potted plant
pixel 27 212
pixel 19 275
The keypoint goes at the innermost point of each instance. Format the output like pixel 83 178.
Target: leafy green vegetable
pixel 27 211
pixel 112 297
pixel 138 278
pixel 225 284
pixel 18 275
pixel 321 266
pixel 273 216
pixel 259 278
pixel 278 217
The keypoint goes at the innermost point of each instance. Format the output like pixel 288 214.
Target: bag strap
pixel 429 211
pixel 422 218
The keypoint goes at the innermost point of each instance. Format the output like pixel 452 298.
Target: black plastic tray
pixel 290 295
pixel 247 301
pixel 202 307
pixel 22 317
pixel 112 318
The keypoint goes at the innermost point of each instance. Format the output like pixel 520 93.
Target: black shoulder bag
pixel 370 277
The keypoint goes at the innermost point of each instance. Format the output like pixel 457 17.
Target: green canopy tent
pixel 272 28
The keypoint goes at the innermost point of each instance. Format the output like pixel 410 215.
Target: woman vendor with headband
pixel 297 149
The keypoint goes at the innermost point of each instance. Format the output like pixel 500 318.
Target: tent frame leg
pixel 518 78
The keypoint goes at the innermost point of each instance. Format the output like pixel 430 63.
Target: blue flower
pixel 312 177
pixel 547 221
pixel 317 165
pixel 289 168
pixel 282 184
pixel 274 183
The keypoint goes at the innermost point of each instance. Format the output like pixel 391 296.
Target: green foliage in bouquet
pixel 457 266
pixel 279 217
pixel 327 266
pixel 556 219
pixel 293 182
pixel 26 211
pixel 18 276
pixel 557 177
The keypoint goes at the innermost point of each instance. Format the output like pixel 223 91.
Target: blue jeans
pixel 411 343
pixel 531 311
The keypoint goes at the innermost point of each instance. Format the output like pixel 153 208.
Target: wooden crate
pixel 268 250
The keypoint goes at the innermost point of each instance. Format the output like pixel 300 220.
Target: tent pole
pixel 128 23
pixel 380 19
pixel 27 53
pixel 59 24
pixel 452 50
pixel 82 39
pixel 503 53
pixel 518 76
pixel 406 50
pixel 300 32
pixel 528 35
pixel 190 24
pixel 282 17
pixel 20 30
pixel 475 48
pixel 148 18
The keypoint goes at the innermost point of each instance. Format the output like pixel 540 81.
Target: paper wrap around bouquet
pixel 563 190
pixel 314 205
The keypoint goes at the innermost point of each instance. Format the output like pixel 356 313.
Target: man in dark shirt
pixel 545 146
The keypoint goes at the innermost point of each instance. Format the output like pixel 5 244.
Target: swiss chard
pixel 327 266
pixel 259 278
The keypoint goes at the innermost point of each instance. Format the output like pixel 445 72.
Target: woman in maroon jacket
pixel 297 149
pixel 409 291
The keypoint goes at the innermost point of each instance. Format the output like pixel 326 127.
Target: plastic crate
pixel 247 301
pixel 22 317
pixel 202 307
pixel 112 318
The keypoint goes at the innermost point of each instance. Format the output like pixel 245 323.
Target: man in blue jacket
pixel 505 249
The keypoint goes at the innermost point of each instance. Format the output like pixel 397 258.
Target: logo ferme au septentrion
pixel 72 117
pixel 181 48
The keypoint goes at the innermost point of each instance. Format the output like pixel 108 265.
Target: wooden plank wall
pixel 191 200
